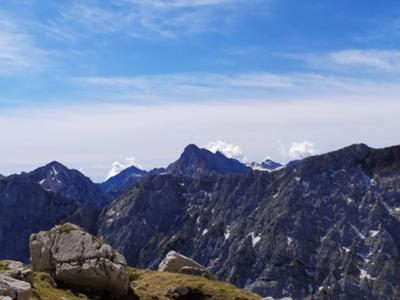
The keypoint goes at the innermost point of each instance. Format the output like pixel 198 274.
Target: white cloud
pixel 300 150
pixel 117 166
pixel 380 59
pixel 229 150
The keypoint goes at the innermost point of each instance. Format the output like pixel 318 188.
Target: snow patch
pixel 347 250
pixel 227 233
pixel 392 211
pixel 255 239
pixel 358 232
pixel 54 171
pixel 373 233
pixel 42 181
pixel 364 275
pixel 289 241
pixel 205 231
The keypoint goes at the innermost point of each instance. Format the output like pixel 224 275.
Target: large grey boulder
pixel 14 288
pixel 178 263
pixel 74 257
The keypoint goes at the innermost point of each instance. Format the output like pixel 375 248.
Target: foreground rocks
pixel 17 270
pixel 177 263
pixel 11 288
pixel 76 258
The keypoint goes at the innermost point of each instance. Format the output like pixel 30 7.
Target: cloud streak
pixel 149 19
pixel 18 51
pixel 379 59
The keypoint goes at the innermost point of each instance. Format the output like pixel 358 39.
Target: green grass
pixel 3 266
pixel 43 290
pixel 150 285
pixel 64 228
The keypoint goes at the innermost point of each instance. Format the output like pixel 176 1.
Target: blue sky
pixel 91 82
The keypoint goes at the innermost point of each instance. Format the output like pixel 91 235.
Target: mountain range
pixel 327 226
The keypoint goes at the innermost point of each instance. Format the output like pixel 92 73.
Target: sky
pixel 99 85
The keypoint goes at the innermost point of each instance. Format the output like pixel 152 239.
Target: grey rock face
pixel 14 289
pixel 25 207
pixel 177 263
pixel 70 183
pixel 324 227
pixel 75 257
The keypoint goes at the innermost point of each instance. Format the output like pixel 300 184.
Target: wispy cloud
pixel 18 50
pixel 154 19
pixel 379 59
pixel 259 86
pixel 352 61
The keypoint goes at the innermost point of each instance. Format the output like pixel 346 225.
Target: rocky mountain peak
pixel 122 182
pixel 195 162
pixel 71 183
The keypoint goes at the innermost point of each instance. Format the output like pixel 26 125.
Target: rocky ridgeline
pixel 79 261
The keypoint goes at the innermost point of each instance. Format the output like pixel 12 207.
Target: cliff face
pixel 328 225
pixel 25 207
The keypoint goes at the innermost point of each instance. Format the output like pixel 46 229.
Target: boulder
pixel 76 258
pixel 17 270
pixel 177 263
pixel 14 288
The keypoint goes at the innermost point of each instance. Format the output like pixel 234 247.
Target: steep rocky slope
pixel 25 207
pixel 327 226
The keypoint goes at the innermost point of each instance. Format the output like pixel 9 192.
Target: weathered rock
pixel 14 288
pixel 17 270
pixel 74 257
pixel 177 263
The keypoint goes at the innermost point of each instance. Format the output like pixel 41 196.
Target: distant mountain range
pixel 267 165
pixel 125 180
pixel 325 227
